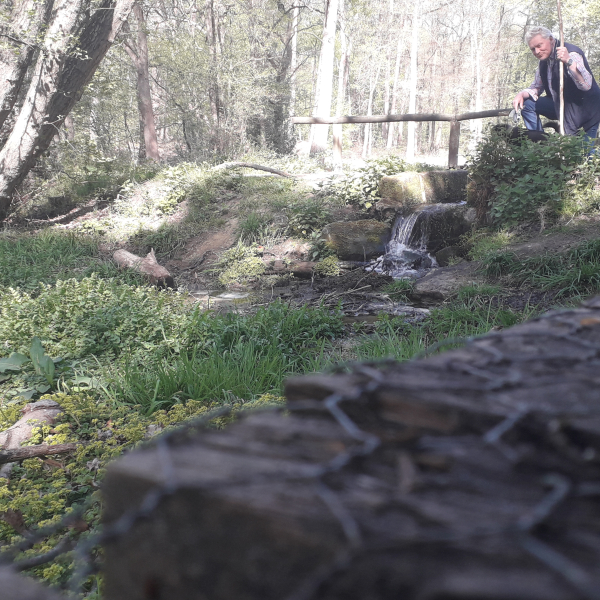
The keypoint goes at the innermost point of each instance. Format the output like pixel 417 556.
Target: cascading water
pixel 406 253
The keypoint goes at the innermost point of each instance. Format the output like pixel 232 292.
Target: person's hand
pixel 562 54
pixel 519 99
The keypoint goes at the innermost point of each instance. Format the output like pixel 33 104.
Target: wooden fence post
pixel 453 144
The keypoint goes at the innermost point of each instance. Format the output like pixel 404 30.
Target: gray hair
pixel 533 31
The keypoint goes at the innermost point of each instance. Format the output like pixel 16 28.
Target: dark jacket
pixel 582 108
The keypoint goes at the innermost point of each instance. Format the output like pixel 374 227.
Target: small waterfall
pixel 406 254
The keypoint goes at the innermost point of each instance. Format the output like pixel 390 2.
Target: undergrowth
pixel 474 312
pixel 41 491
pixel 360 187
pixel 572 274
pixel 49 256
pixel 512 182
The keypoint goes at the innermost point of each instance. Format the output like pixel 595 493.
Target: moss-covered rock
pixel 357 240
pixel 408 190
pixel 441 225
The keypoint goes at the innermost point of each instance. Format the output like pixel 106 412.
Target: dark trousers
pixel 545 107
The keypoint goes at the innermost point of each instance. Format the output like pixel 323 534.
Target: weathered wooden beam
pixel 19 587
pixel 484 114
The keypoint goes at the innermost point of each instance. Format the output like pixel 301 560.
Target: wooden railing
pixel 454 121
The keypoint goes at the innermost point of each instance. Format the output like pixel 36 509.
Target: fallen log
pixel 25 452
pixel 245 165
pixel 42 412
pixel 147 266
pixel 471 474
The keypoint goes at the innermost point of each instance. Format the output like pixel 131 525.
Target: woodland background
pixel 224 76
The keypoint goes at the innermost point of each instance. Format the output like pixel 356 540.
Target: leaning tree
pixel 56 46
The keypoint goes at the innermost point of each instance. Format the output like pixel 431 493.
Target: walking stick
pixel 561 73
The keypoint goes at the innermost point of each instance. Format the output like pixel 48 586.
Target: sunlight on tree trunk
pixel 325 84
pixel 56 84
pixel 26 20
pixel 343 74
pixel 412 103
pixel 139 56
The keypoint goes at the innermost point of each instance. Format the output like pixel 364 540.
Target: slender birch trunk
pixel 412 103
pixel 343 74
pixel 319 133
pixel 139 57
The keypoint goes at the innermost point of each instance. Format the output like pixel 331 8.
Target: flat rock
pixel 440 284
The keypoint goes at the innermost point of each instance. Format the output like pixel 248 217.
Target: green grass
pixel 50 256
pixel 574 273
pixel 399 290
pixel 473 313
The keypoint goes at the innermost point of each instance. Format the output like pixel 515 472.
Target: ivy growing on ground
pixel 41 491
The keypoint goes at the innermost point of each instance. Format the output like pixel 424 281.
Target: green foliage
pixel 575 273
pixel 484 242
pixel 319 248
pixel 513 182
pixel 28 260
pixel 247 269
pixel 83 171
pixel 239 264
pixel 307 216
pixel 42 491
pixel 328 267
pixel 93 316
pixel 361 186
pixel 474 312
pixel 399 290
pixel 244 355
pixel 254 227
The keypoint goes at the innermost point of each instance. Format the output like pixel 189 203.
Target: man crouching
pixel 581 92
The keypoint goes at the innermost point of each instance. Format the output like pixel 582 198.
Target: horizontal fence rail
pixel 454 121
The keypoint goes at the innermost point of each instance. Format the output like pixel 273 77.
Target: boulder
pixel 406 190
pixel 441 225
pixel 444 256
pixel 441 284
pixel 357 240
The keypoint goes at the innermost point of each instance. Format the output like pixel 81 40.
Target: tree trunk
pixel 214 93
pixel 367 143
pixel 412 103
pixel 324 89
pixel 343 74
pixel 293 61
pixel 139 57
pixel 57 83
pixel 19 45
pixel 390 136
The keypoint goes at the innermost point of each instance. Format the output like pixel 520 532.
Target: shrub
pixel 328 267
pixel 512 182
pixel 307 216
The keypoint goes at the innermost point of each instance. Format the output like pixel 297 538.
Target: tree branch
pixel 25 452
